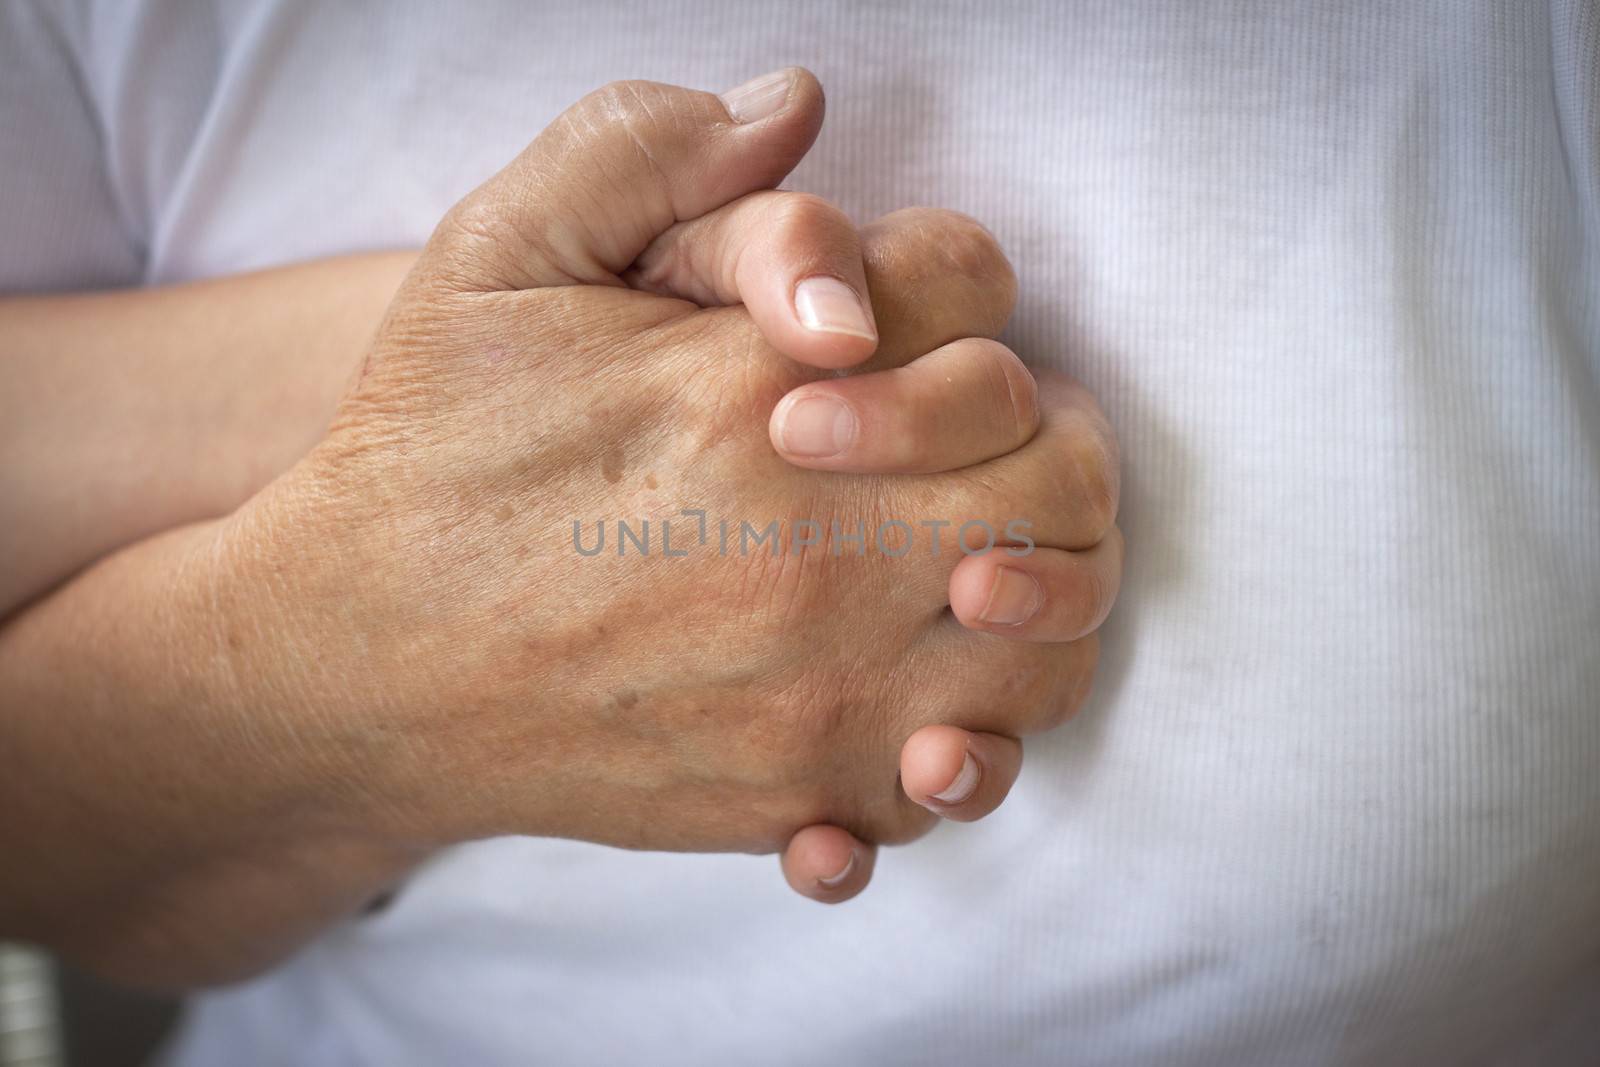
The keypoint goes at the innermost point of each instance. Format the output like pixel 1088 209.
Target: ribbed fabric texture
pixel 1334 271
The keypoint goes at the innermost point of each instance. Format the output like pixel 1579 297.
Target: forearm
pixel 152 822
pixel 126 413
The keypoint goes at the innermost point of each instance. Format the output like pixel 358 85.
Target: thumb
pixel 615 170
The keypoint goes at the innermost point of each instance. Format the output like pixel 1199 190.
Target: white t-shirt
pixel 1333 268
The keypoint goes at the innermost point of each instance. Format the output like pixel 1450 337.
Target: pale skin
pixel 128 413
pixel 271 715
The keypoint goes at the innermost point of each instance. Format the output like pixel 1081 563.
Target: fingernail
pixel 817 425
pixel 831 306
pixel 759 97
pixel 962 788
pixel 1013 599
pixel 836 880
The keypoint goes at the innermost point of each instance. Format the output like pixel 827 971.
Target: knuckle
pixel 472 238
pixel 1071 676
pixel 1017 682
pixel 1098 488
pixel 1090 482
pixel 1012 390
pixel 1082 452
pixel 475 216
pixel 641 118
pixel 1108 579
pixel 966 241
pixel 1034 680
pixel 926 244
pixel 795 214
pixel 1080 674
pixel 1088 599
pixel 623 103
pixel 968 248
pixel 812 227
pixel 1071 683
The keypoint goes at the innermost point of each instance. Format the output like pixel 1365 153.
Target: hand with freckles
pixel 634 262
pixel 402 642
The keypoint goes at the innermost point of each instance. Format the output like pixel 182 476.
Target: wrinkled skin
pixel 461 671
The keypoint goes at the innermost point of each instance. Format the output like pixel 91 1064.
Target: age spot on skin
pixel 627 698
pixel 611 465
pixel 650 481
pixel 503 513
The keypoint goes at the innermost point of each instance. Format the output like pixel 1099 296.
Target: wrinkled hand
pixel 463 668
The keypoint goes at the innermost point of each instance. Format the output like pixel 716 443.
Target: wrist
pixel 296 677
pixel 201 830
